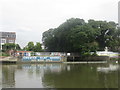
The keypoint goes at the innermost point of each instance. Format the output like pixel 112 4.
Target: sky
pixel 30 18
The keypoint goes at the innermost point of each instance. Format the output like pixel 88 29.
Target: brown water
pixel 102 75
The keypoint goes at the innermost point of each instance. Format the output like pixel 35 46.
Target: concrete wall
pixel 43 59
pixel 50 53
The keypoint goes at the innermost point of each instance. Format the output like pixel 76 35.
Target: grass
pixel 3 54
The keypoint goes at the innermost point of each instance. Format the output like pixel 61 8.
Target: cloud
pixel 30 18
pixel 24 29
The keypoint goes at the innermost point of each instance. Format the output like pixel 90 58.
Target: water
pixel 92 75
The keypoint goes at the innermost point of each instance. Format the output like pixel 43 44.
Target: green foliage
pixel 94 54
pixel 75 35
pixel 9 46
pixel 37 47
pixel 18 47
pixel 86 54
pixel 5 54
pixel 56 39
pixel 32 54
pixel 31 47
pixel 105 32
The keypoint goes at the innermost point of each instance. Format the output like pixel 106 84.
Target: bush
pixel 94 54
pixel 4 54
pixel 86 54
pixel 32 54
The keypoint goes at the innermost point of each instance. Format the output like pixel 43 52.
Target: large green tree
pixel 105 31
pixel 115 42
pixel 56 39
pixel 37 47
pixel 82 39
pixel 76 35
pixel 30 46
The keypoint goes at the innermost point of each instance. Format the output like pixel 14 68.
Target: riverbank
pixel 89 58
pixel 7 59
pixel 55 59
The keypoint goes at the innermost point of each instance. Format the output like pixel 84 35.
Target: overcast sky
pixel 30 18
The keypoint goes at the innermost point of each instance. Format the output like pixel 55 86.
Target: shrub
pixel 5 54
pixel 86 54
pixel 94 54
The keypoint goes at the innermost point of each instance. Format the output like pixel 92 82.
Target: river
pixel 60 75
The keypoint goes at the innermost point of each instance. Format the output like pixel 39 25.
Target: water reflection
pixel 0 76
pixel 60 76
pixel 80 76
pixel 8 76
pixel 108 69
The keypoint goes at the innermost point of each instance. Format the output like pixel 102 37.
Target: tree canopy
pixel 31 47
pixel 9 46
pixel 76 35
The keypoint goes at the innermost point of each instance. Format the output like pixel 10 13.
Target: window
pixel 3 40
pixel 11 41
pixel 14 36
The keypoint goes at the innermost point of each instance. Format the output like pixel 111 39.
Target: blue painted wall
pixel 38 58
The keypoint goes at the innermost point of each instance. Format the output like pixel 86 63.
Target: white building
pixel 7 37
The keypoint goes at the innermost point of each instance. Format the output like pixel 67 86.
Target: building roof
pixel 23 51
pixel 8 34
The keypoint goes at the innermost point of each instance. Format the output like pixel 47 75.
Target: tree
pixel 82 39
pixel 37 47
pixel 18 47
pixel 55 39
pixel 30 46
pixel 9 46
pixel 115 42
pixel 75 35
pixel 105 31
pixel 47 39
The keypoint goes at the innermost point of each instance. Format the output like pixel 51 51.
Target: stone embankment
pixel 9 59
